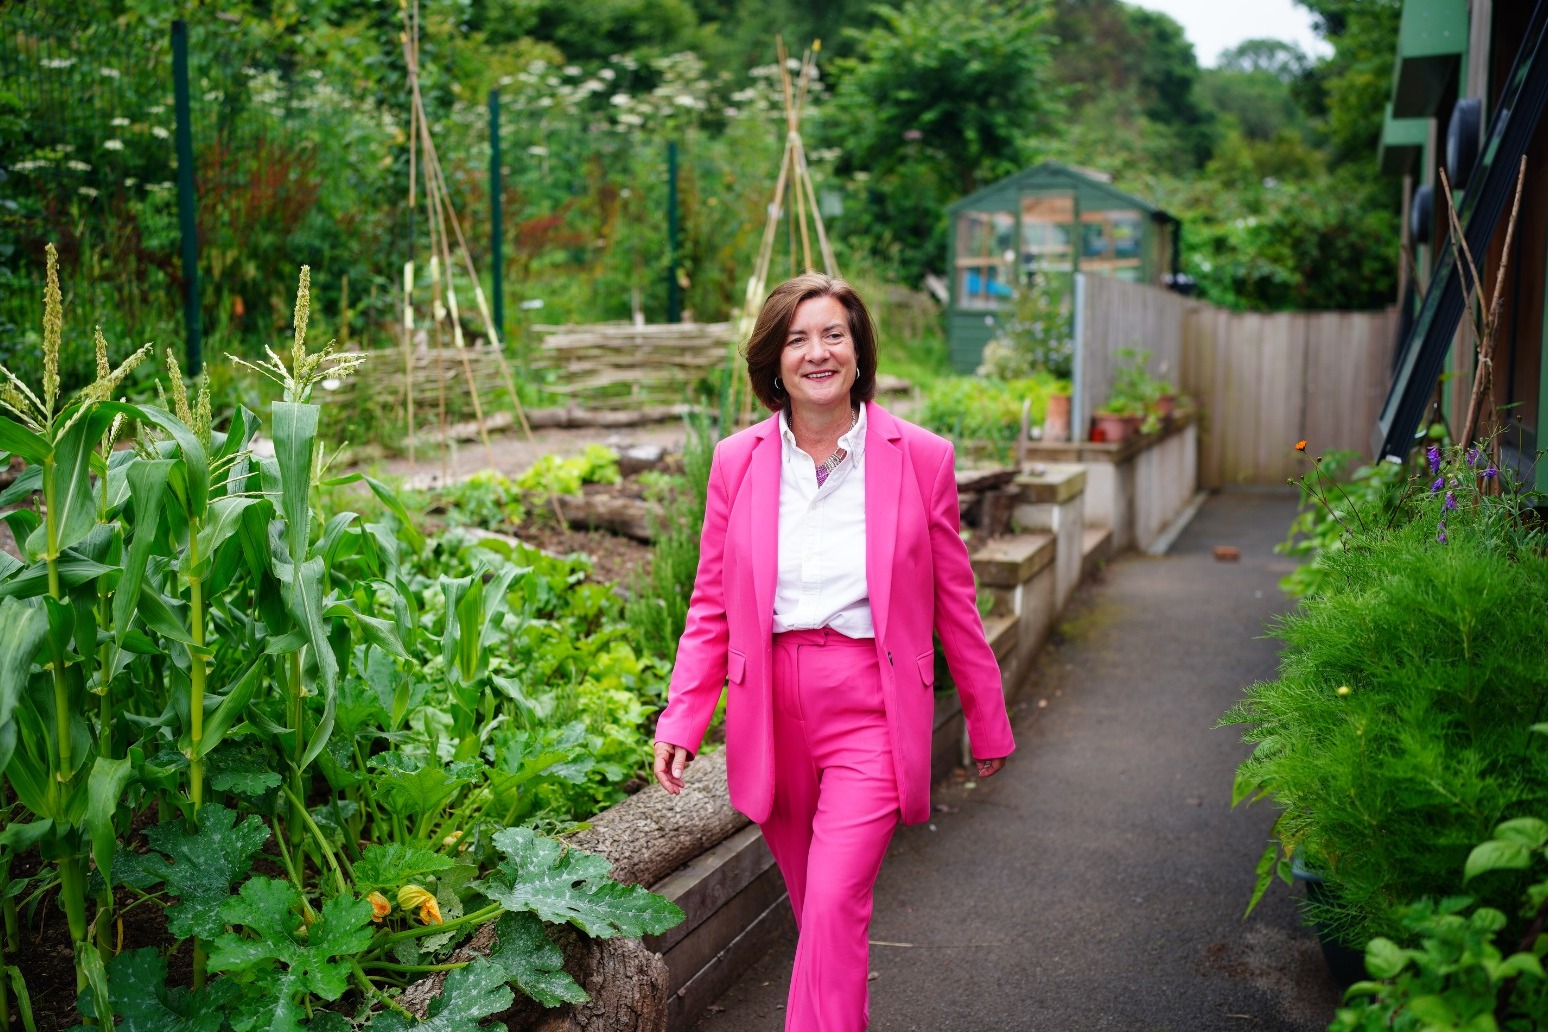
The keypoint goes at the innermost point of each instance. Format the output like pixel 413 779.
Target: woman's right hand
pixel 671 760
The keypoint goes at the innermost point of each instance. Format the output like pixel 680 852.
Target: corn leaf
pixel 27 483
pixel 559 884
pixel 295 435
pixel 333 536
pixel 104 788
pixel 230 706
pixel 407 529
pixel 75 497
pixel 376 631
pixel 224 520
pixel 195 465
pixel 74 570
pixel 147 482
pixel 18 440
pixel 22 629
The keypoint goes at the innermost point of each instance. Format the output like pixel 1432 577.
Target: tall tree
pixel 940 99
pixel 1347 91
pixel 1133 69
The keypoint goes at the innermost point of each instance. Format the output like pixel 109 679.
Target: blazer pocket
pixel 926 663
pixel 736 666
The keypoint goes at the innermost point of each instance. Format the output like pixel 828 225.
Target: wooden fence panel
pixel 1268 380
pixel 1116 314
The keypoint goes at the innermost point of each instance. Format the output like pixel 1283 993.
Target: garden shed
pixel 1028 222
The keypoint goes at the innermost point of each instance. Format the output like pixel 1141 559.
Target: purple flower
pixel 1440 532
pixel 1472 456
pixel 1451 501
pixel 1440 482
pixel 1490 473
pixel 1433 454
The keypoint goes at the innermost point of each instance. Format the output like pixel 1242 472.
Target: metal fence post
pixel 674 288
pixel 496 223
pixel 187 224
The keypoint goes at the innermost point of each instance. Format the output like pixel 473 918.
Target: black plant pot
pixel 1345 963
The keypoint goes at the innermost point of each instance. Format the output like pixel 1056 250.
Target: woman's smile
pixel 818 365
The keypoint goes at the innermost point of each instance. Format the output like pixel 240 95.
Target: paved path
pixel 1099 881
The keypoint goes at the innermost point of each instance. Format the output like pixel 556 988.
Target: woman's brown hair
pixel 768 338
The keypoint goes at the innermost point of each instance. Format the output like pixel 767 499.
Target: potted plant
pixel 1399 731
pixel 1111 424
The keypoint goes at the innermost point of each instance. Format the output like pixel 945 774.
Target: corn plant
pixel 48 746
pixel 180 639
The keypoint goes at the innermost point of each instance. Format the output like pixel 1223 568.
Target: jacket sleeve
pixel 973 666
pixel 699 673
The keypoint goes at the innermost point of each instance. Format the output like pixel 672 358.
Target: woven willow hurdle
pixel 629 364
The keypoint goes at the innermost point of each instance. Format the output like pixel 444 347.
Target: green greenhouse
pixel 1119 235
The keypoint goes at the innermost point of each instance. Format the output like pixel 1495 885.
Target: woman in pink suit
pixel 830 554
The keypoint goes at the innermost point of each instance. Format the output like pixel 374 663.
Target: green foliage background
pixel 300 124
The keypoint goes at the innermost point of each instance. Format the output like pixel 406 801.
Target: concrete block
pixel 1011 561
pixel 1057 482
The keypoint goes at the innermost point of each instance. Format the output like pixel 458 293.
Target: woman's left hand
pixel 989 768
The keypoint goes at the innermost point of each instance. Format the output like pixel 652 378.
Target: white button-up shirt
pixel 822 539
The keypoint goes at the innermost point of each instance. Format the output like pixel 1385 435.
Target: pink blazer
pixel 920 581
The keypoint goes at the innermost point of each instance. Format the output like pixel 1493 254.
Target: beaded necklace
pixel 831 463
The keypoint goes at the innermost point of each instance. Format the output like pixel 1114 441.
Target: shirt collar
pixel 853 440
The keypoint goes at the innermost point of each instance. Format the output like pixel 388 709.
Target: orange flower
pixel 380 907
pixel 1300 446
pixel 412 897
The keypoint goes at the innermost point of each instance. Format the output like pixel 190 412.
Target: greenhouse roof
pixel 1094 193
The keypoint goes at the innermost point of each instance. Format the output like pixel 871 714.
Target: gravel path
pixel 1099 881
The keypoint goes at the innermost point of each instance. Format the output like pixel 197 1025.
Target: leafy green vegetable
pixel 200 865
pixel 281 956
pixel 561 884
pixel 532 961
pixel 137 980
pixel 392 865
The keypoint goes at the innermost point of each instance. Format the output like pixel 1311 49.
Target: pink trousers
pixel 835 809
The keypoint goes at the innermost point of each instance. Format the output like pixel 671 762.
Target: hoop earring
pixel 779 385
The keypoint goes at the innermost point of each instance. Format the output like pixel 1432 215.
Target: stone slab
pixel 1056 483
pixel 1009 561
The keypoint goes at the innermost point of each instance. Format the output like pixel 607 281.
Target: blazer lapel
pixel 883 488
pixel 764 473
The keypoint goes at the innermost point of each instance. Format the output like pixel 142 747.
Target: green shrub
pixel 1039 334
pixel 1397 732
pixel 1371 490
pixel 987 413
pixel 1466 967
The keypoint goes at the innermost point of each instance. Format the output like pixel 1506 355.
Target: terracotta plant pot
pixel 1056 422
pixel 1166 404
pixel 1112 428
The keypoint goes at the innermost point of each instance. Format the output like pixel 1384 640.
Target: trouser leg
pixel 788 831
pixel 841 802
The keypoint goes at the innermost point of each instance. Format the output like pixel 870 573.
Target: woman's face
pixel 818 365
